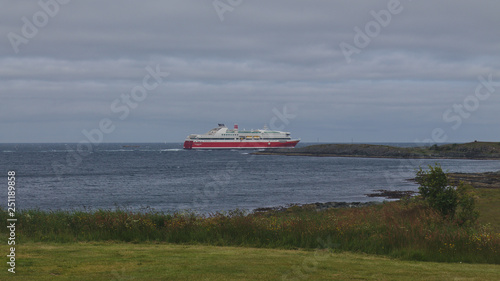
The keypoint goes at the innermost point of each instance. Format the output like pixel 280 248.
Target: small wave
pixel 116 150
pixel 172 149
pixel 38 151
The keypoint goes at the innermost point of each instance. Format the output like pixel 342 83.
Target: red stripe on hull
pixel 237 144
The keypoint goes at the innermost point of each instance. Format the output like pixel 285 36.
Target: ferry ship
pixel 224 138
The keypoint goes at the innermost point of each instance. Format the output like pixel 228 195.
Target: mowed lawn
pixel 149 261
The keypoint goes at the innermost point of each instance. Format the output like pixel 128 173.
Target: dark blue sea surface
pixel 167 178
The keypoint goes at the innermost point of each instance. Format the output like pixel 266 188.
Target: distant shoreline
pixel 472 150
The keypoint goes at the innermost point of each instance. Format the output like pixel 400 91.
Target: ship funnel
pixel 236 127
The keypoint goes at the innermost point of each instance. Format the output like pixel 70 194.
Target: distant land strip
pixel 473 150
pixel 477 180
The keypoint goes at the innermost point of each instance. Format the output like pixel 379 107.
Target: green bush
pixel 452 202
pixel 436 192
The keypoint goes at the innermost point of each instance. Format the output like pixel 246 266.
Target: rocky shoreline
pixel 477 180
pixel 392 194
pixel 318 206
pixel 389 194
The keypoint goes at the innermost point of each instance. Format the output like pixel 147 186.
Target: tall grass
pixel 397 229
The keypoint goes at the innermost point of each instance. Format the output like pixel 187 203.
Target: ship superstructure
pixel 222 137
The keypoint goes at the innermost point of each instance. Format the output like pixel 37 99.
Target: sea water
pixel 165 177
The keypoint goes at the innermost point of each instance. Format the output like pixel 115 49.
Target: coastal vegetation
pixel 438 194
pixel 472 150
pixel 409 229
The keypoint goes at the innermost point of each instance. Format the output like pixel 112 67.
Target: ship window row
pixel 215 138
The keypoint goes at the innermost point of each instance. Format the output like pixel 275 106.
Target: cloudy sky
pixel 334 71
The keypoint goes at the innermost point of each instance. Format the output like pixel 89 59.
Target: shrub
pixel 452 202
pixel 436 192
pixel 467 214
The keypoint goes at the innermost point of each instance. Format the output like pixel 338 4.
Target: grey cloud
pixel 263 55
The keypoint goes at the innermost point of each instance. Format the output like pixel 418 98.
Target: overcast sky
pixel 334 71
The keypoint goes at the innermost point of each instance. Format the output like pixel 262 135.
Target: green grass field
pixel 150 261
